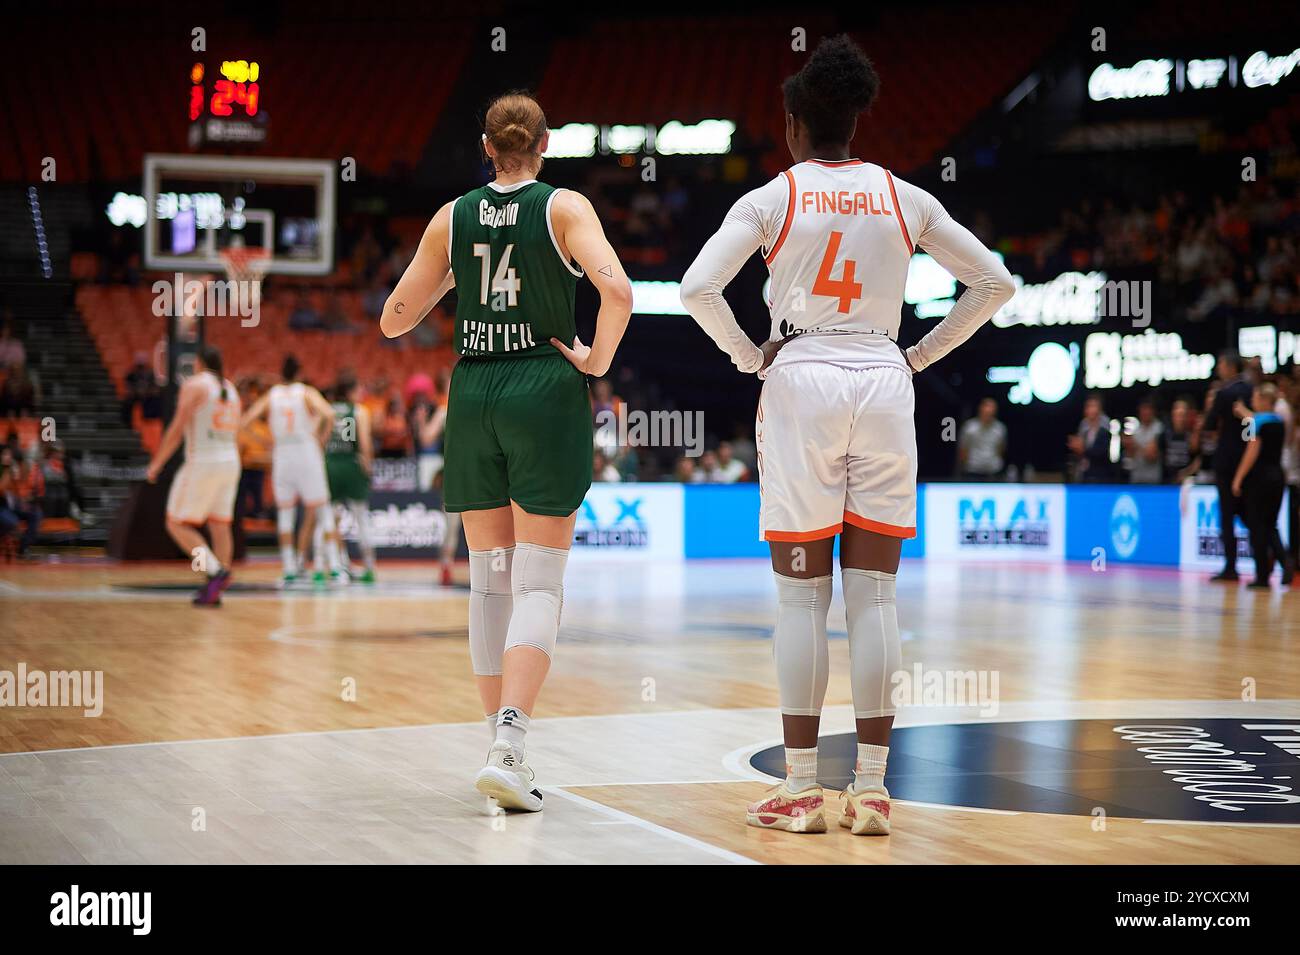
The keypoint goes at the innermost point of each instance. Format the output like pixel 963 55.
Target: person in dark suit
pixel 1091 445
pixel 1230 447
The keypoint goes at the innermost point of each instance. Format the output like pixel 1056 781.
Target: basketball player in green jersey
pixel 349 458
pixel 518 443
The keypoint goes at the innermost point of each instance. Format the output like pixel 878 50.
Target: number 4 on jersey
pixel 845 289
pixel 503 280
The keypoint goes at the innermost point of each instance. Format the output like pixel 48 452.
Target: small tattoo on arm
pixel 606 270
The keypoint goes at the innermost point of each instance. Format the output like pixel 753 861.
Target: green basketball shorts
pixel 518 429
pixel 347 479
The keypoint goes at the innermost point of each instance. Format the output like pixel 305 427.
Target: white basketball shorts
pixel 836 445
pixel 204 491
pixel 298 474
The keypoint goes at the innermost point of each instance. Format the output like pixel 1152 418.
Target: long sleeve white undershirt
pixel 746 229
pixel 702 285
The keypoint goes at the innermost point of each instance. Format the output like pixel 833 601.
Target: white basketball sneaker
pixel 865 812
pixel 508 779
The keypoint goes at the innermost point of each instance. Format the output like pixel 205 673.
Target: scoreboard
pixel 225 108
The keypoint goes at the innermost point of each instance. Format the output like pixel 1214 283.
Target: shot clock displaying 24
pixel 237 87
pixel 229 112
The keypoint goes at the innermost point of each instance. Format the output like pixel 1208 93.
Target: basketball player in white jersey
pixel 835 435
pixel 203 490
pixel 301 421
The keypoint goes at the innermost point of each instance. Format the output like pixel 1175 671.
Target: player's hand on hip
pixel 769 350
pixel 579 356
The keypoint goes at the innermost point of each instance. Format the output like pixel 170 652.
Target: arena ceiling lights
pixel 709 137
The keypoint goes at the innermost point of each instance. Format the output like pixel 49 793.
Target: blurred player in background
pixel 301 421
pixel 519 428
pixel 429 435
pixel 204 489
pixel 836 439
pixel 349 459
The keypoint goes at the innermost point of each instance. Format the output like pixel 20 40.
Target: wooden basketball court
pixel 343 725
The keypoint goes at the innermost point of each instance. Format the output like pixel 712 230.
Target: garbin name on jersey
pixel 496 337
pixel 489 215
pixel 845 203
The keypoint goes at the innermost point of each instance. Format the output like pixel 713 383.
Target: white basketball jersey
pixel 210 437
pixel 839 264
pixel 292 421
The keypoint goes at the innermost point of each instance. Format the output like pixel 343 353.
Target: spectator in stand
pixel 1180 444
pixel 18 395
pixel 375 295
pixel 21 489
pixel 982 445
pixel 628 461
pixel 686 472
pixel 708 468
pixel 602 470
pixel 1230 445
pixel 731 469
pixel 1207 440
pixel 304 316
pixel 604 401
pixel 394 433
pixel 143 389
pixel 336 318
pixel 12 352
pixel 1258 481
pixel 1091 445
pixel 1142 447
pixel 62 497
pixel 255 446
pixel 375 398
pixel 742 443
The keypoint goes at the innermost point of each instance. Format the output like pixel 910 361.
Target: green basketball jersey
pixel 514 291
pixel 343 440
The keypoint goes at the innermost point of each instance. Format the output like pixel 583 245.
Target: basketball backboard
pixel 200 205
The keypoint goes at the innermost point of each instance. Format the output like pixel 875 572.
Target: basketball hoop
pixel 243 263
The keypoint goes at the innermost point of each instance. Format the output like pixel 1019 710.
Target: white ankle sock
pixel 512 726
pixel 491 720
pixel 800 768
pixel 869 771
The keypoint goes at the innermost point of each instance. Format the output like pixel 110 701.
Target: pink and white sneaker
pixel 793 812
pixel 865 813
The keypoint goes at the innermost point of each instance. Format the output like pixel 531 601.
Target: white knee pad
pixel 284 520
pixel 537 579
pixel 490 603
pixel 799 643
pixel 875 651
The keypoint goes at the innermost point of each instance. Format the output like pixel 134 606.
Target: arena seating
pixel 129 97
pixel 691 70
pixel 121 322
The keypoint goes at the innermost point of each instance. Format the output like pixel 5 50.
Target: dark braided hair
pixel 836 84
pixel 211 356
